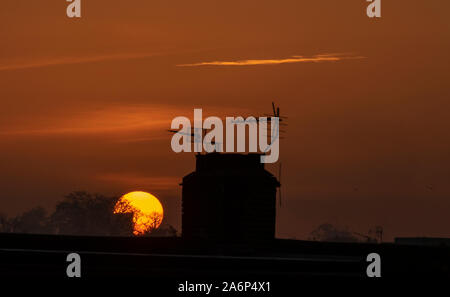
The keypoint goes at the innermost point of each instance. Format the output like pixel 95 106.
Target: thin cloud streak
pixel 293 59
pixel 109 120
pixel 114 119
pixel 74 60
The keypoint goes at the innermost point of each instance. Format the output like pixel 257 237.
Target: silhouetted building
pixel 229 197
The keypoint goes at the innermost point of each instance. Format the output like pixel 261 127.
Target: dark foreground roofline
pixel 45 255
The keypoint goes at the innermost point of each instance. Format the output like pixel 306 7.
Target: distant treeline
pixel 79 213
pixel 82 213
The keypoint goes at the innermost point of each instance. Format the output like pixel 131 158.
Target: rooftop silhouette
pixel 229 197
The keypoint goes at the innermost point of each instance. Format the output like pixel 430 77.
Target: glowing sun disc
pixel 146 208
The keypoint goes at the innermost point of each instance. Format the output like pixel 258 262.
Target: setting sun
pixel 147 210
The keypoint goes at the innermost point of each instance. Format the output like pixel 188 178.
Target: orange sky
pixel 85 103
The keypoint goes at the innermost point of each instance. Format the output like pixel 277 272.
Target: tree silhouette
pixel 32 221
pixel 328 232
pixel 5 225
pixel 145 224
pixel 82 213
pixel 163 231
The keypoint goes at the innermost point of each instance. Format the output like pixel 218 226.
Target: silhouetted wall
pixel 229 197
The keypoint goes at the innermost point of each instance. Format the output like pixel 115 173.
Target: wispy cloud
pixel 292 59
pixel 39 63
pixel 109 120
